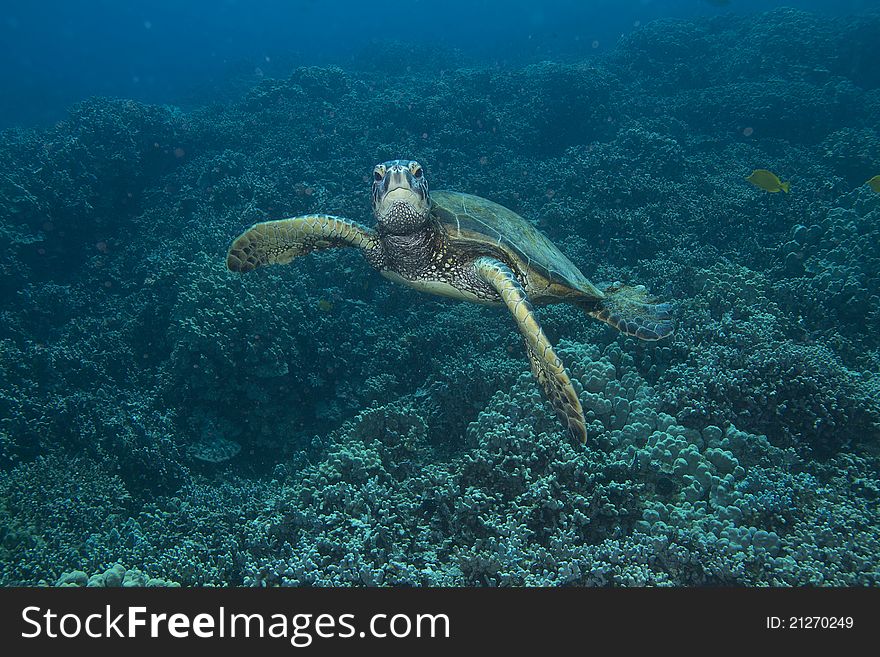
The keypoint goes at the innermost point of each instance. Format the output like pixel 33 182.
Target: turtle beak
pixel 398 178
pixel 398 183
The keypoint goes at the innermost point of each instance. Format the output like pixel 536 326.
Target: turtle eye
pixel 417 172
pixel 377 175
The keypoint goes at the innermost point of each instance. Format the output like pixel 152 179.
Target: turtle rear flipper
pixel 629 310
pixel 279 242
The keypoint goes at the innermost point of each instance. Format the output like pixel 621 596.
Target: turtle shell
pixel 469 217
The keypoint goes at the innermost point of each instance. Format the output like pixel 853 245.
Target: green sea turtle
pixel 469 248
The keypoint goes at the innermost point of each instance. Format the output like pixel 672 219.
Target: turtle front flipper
pixel 279 242
pixel 546 366
pixel 629 310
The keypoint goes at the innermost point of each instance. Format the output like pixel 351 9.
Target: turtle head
pixel 400 196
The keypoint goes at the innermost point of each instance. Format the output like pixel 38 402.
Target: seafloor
pixel 162 419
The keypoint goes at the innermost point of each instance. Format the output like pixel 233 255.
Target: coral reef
pixel 116 575
pixel 163 421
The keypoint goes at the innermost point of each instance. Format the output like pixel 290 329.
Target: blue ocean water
pixel 55 53
pixel 168 416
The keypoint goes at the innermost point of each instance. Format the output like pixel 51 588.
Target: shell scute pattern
pixel 469 217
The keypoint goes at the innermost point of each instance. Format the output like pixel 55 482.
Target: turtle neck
pixel 411 253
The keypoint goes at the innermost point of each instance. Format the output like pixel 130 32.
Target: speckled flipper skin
pixel 546 366
pixel 628 309
pixel 279 242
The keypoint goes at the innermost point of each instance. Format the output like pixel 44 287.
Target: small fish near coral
pixel 768 181
pixel 467 248
pixel 874 183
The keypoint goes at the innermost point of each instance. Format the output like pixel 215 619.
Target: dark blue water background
pixel 54 53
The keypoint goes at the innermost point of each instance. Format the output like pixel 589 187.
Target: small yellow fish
pixel 874 183
pixel 325 306
pixel 768 181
